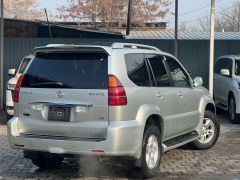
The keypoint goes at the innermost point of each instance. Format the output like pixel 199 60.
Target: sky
pixel 196 8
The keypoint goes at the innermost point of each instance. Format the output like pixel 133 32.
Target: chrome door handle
pixel 180 94
pixel 160 95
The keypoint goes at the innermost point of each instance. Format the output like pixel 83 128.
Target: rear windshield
pixel 67 70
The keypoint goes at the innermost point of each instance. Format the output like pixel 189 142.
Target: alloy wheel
pixel 152 152
pixel 208 131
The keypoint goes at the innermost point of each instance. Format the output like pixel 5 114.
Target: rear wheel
pixel 234 117
pixel 151 151
pixel 210 132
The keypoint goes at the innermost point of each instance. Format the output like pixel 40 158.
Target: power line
pixel 198 9
pixel 219 12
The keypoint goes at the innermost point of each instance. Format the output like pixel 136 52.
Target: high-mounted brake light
pixel 15 94
pixel 116 92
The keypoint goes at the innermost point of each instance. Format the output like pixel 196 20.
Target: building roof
pixel 183 35
pixel 62 31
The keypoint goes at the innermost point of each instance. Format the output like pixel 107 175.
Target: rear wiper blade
pixel 47 83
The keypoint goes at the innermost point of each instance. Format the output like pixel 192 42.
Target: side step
pixel 179 141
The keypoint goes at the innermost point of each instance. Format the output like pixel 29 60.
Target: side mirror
pixel 198 81
pixel 12 72
pixel 224 72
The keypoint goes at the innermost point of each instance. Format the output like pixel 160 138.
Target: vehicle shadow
pixel 85 167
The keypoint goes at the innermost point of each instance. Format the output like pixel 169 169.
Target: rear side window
pixel 160 75
pixel 68 70
pixel 23 65
pixel 137 69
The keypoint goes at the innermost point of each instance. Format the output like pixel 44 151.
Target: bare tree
pixel 204 24
pixel 227 20
pixel 109 11
pixel 231 18
pixel 22 9
pixel 182 27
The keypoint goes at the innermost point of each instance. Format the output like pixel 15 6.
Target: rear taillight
pixel 15 93
pixel 116 92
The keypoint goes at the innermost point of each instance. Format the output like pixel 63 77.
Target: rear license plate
pixel 59 113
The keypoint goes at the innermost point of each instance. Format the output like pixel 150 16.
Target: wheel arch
pixel 230 94
pixel 207 103
pixel 155 119
pixel 210 107
pixel 149 114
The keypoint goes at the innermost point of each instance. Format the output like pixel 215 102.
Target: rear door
pixel 65 95
pixel 164 95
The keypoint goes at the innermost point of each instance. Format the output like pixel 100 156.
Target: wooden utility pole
pixel 49 28
pixel 129 17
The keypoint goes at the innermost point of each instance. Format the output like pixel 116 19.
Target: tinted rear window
pixel 68 70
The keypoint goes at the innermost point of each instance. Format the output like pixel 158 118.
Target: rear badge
pixel 97 94
pixel 59 94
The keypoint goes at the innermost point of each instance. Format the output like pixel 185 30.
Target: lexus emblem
pixel 59 94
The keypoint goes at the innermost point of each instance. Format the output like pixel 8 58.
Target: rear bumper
pixel 124 138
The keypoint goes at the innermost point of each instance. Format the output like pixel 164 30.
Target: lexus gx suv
pixel 124 101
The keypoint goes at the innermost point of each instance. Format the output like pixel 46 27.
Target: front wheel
pixel 151 151
pixel 210 132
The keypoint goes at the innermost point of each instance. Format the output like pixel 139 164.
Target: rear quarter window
pixel 68 70
pixel 137 69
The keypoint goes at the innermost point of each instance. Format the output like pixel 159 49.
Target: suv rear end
pixel 127 100
pixel 62 104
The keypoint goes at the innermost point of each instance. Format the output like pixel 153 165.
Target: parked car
pixel 227 85
pixel 125 100
pixel 13 81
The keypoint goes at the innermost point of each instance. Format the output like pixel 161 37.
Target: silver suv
pixel 125 100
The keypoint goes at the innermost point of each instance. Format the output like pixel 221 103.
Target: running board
pixel 179 141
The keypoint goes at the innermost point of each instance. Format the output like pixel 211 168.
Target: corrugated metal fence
pixel 194 54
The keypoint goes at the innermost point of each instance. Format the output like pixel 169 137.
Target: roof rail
pixel 55 45
pixel 133 46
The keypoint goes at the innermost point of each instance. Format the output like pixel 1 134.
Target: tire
pixel 234 117
pixel 149 169
pixel 46 160
pixel 211 127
